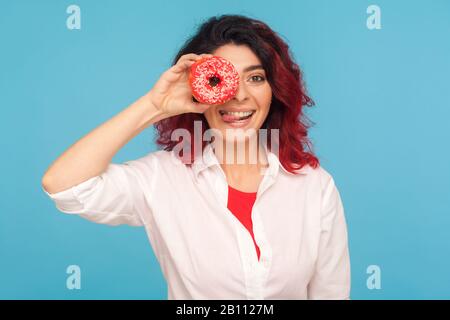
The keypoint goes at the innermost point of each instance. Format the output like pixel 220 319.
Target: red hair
pixel 289 96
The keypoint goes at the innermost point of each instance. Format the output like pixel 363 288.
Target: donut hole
pixel 214 81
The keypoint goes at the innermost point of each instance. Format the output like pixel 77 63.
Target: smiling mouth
pixel 231 116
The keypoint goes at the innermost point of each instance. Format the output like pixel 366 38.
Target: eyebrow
pixel 254 67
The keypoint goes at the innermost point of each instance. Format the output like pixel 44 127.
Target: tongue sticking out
pixel 230 117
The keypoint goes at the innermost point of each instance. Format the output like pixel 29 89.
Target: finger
pixel 195 57
pixel 204 55
pixel 188 56
pixel 186 61
pixel 182 66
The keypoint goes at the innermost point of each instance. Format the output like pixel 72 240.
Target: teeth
pixel 238 114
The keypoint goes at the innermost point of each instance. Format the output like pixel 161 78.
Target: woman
pixel 273 228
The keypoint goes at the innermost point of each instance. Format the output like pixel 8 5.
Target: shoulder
pixel 330 195
pixel 326 177
pixel 322 177
pixel 318 173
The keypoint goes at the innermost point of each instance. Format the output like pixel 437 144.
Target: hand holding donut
pixel 208 79
pixel 172 93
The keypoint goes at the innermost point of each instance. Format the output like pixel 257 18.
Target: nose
pixel 241 93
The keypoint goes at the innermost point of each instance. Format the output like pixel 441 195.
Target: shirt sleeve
pixel 331 279
pixel 114 197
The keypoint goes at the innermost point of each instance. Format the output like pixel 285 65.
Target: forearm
pixel 91 155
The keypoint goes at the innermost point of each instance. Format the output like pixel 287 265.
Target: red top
pixel 240 204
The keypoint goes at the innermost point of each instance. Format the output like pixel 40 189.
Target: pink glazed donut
pixel 213 80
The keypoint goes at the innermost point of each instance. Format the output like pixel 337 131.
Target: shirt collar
pixel 210 159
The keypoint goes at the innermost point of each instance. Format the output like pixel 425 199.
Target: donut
pixel 213 80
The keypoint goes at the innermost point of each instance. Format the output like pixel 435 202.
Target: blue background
pixel 382 129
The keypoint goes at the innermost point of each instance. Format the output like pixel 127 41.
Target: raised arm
pixel 91 155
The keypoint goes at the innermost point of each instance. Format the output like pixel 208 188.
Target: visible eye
pixel 257 78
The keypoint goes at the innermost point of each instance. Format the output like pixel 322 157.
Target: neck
pixel 241 160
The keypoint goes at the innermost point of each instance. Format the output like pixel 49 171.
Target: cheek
pixel 209 114
pixel 265 98
pixel 211 117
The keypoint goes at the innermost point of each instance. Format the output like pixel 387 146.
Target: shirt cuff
pixel 67 200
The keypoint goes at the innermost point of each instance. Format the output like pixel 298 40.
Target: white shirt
pixel 203 249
